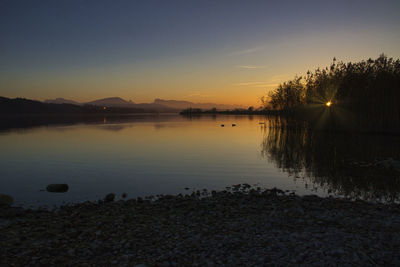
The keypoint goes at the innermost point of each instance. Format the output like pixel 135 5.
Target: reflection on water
pixel 16 122
pixel 338 163
pixel 164 154
pixel 140 155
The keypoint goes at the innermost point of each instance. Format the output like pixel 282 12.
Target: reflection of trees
pixel 284 145
pixel 339 163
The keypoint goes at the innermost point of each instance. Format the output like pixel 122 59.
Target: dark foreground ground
pixel 241 227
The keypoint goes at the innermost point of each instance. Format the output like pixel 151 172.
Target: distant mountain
pixel 22 106
pixel 180 104
pixel 159 105
pixel 111 102
pixel 61 101
pixel 27 106
pixel 118 102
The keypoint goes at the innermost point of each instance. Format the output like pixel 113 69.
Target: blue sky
pixel 202 51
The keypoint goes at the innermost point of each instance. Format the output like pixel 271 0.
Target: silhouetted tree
pixel 288 95
pixel 367 91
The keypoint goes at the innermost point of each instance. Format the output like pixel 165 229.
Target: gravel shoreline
pixel 242 226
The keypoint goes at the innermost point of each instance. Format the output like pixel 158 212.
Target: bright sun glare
pixel 328 104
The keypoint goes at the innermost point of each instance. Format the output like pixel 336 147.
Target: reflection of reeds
pixel 337 163
pixel 283 134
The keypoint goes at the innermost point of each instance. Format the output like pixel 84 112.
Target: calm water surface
pixel 167 153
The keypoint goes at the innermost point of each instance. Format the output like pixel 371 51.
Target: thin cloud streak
pixel 247 51
pixel 250 67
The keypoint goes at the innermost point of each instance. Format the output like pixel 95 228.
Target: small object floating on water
pixel 186 188
pixel 6 200
pixel 57 188
pixel 233 125
pixel 222 125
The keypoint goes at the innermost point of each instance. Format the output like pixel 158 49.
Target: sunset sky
pixel 229 52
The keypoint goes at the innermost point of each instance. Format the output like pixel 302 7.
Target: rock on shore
pixel 243 227
pixel 6 200
pixel 57 188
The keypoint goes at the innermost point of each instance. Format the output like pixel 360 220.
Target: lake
pixel 145 155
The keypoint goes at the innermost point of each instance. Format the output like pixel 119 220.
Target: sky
pixel 230 52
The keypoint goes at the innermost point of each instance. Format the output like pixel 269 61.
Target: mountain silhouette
pixel 159 105
pixel 27 106
pixel 111 102
pixel 61 101
pixel 22 106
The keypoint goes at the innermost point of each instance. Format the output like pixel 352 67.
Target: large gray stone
pixel 57 188
pixel 109 198
pixel 6 200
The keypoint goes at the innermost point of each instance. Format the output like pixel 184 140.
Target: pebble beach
pixel 241 226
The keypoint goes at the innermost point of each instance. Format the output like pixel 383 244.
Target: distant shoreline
pixel 196 111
